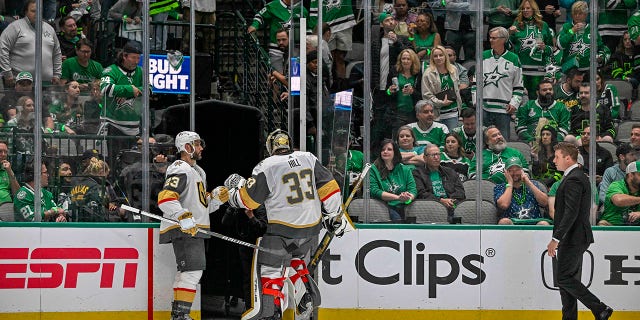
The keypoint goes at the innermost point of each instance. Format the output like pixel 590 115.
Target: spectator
pixel 426 129
pixel 460 69
pixel 8 113
pixel 612 21
pixel 81 68
pixel 24 204
pixel 608 96
pixel 580 118
pixel 131 176
pixel 121 88
pixel 67 112
pixel 467 131
pixel 276 15
pixel 575 37
pixel 502 13
pixel 454 155
pixel 24 123
pixel 625 155
pixel 64 185
pixel 205 11
pixel 460 24
pixel 390 47
pixel 92 109
pixel 410 151
pixel 93 198
pixel 341 20
pixel 533 43
pixel 406 86
pixel 622 199
pixel 160 11
pixel 520 199
pixel 620 66
pixel 441 87
pixel 437 182
pixel 567 92
pixel 634 138
pixel 391 181
pixel 604 159
pixel 8 184
pixel 542 111
pixel 127 11
pixel 550 10
pixel 68 37
pixel 24 87
pixel 502 93
pixel 406 19
pixel 542 167
pixel 495 156
pixel 425 36
pixel 18 51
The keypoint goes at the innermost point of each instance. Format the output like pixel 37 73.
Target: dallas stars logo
pixel 578 47
pixel 493 77
pixel 528 43
pixel 331 4
pixel 497 167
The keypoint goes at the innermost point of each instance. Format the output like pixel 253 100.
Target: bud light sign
pixel 169 74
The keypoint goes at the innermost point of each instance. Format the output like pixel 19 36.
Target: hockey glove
pixel 335 224
pixel 187 224
pixel 234 181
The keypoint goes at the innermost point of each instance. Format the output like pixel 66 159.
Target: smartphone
pixel 394 80
pixel 407 85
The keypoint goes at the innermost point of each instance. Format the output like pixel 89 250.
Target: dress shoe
pixel 606 313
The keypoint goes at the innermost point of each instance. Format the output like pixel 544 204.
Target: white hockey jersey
pixel 184 190
pixel 293 188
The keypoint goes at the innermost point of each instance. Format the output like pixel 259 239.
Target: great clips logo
pixel 440 269
pixel 22 268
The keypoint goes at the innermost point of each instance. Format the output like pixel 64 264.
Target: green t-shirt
pixel 5 186
pixel 612 213
pixel 405 101
pixel 436 184
pixel 72 70
pixel 399 180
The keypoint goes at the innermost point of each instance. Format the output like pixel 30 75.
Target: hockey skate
pixel 305 307
pixel 181 316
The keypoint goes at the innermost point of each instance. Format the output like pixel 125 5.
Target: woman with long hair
pixel 409 150
pixel 542 167
pixel 406 86
pixel 452 155
pixel 440 86
pixel 532 41
pixel 67 111
pixel 391 181
pixel 620 66
pixel 425 36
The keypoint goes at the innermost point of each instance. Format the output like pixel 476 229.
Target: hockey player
pixel 184 198
pixel 298 194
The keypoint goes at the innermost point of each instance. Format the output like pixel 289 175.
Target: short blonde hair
pixel 579 7
pixel 97 168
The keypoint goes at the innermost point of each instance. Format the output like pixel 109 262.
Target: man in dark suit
pixel 572 235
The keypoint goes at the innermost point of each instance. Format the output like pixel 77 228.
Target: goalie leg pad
pixel 309 283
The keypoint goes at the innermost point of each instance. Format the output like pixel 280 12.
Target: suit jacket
pixel 573 201
pixel 450 181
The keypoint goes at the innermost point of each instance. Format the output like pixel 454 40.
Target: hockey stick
pixel 328 236
pixel 207 232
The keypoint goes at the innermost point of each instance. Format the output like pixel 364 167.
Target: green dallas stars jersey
pixel 613 14
pixel 528 116
pixel 493 166
pixel 338 14
pixel 575 47
pixel 23 207
pixel 276 15
pixel 525 45
pixel 634 33
pixel 502 81
pixel 122 109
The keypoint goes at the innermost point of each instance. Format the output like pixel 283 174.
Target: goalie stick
pixel 211 233
pixel 328 236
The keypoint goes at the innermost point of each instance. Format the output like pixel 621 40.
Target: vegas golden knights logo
pixel 202 194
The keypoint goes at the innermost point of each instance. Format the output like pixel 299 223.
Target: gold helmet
pixel 278 140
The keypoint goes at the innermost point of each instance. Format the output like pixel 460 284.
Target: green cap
pixel 382 16
pixel 514 161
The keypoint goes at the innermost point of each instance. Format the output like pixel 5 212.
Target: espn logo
pixel 60 267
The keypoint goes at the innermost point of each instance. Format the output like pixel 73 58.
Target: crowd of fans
pixel 535 91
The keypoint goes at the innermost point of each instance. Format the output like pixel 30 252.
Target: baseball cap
pixel 132 47
pixel 633 167
pixel 24 75
pixel 514 161
pixel 92 153
pixel 383 16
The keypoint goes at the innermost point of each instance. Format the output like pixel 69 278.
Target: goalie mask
pixel 278 140
pixel 187 137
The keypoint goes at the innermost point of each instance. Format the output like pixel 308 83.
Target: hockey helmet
pixel 187 137
pixel 278 140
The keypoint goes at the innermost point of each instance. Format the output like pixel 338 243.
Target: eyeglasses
pixel 495 38
pixel 432 155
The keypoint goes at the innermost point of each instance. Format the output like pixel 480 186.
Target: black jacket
pixel 450 181
pixel 573 199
